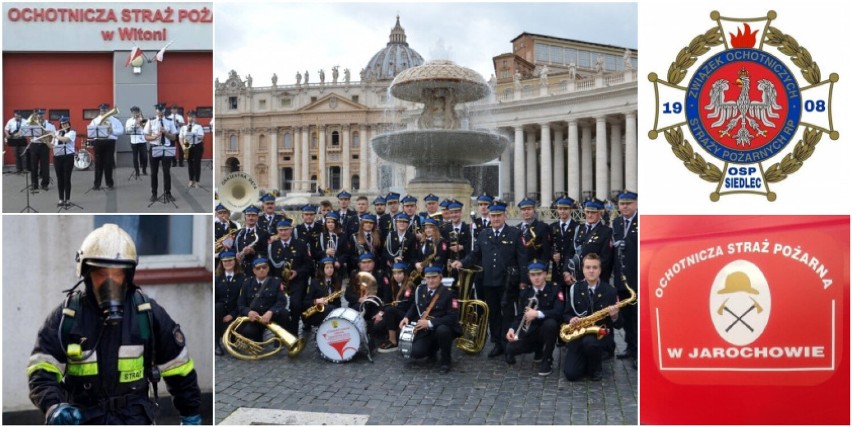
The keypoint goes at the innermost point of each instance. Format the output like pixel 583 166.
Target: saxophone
pixel 530 244
pixel 587 325
pixel 319 308
pixel 415 275
pixel 184 142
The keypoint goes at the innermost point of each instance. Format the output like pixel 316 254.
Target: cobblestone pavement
pixel 478 390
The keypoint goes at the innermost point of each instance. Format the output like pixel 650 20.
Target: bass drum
pixel 82 160
pixel 340 335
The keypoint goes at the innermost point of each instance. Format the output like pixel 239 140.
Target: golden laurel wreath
pixel 787 45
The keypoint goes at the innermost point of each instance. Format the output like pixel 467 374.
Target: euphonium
pixel 587 325
pixel 99 120
pixel 245 349
pixel 319 308
pixel 473 314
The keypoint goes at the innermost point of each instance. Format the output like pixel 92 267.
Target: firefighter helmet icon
pixel 740 302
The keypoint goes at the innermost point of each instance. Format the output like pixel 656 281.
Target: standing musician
pixel 262 301
pixel 326 282
pixel 459 246
pixel 392 200
pixel 309 230
pixel 134 126
pixel 585 354
pixel 593 237
pixel 415 224
pixel 477 225
pixel 348 217
pixel 105 147
pixel 161 133
pixel 544 305
pixel 400 244
pixel 179 122
pixel 365 240
pixel 380 205
pixel 562 231
pixel 269 219
pixel 331 242
pixel 192 134
pixel 324 208
pixel 625 233
pixel 431 201
pixel 289 254
pixel 12 133
pixel 436 329
pixel 444 205
pixel 251 241
pixel 432 248
pixel 538 247
pixel 402 290
pixel 63 160
pixel 503 257
pixel 229 281
pixel 224 225
pixel 361 205
pixel 40 154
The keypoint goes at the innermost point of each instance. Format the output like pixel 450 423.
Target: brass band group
pixel 165 139
pixel 414 282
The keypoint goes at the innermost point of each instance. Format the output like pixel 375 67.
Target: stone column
pixel 630 160
pixel 274 167
pixel 374 163
pixel 558 161
pixel 321 173
pixel 306 158
pixel 363 176
pixel 248 149
pixel 505 169
pixel 616 170
pixel 546 175
pixel 573 161
pixel 297 158
pixel 601 176
pixel 346 180
pixel 532 181
pixel 586 160
pixel 519 188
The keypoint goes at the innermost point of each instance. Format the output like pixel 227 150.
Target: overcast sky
pixel 260 39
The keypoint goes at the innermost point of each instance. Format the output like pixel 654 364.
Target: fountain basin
pixel 465 84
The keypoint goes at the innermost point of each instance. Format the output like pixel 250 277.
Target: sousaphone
pixel 237 191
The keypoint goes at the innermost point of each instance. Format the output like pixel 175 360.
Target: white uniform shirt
pixel 164 147
pixel 64 148
pixel 117 127
pixel 13 125
pixel 197 130
pixel 135 131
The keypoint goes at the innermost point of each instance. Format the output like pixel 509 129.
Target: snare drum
pixel 340 335
pixel 406 340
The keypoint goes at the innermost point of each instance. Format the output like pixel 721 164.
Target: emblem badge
pixel 744 105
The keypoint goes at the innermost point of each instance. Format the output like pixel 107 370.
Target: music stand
pixel 193 138
pixel 164 199
pixel 32 132
pixel 15 142
pixel 96 133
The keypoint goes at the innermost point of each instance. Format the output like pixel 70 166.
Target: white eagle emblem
pixel 743 111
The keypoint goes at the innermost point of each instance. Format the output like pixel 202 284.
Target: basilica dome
pixel 393 58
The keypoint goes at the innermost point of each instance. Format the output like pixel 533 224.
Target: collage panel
pixel 115 302
pixel 107 107
pixel 402 239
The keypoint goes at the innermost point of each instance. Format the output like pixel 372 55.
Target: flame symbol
pixel 742 39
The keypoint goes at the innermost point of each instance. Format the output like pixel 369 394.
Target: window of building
pixel 261 104
pixel 288 141
pixel 504 75
pixel 233 145
pixel 584 59
pixel 287 175
pixel 88 114
pixel 611 62
pixel 313 140
pixel 557 54
pixel 354 98
pixel 286 102
pixel 261 144
pixel 335 139
pixel 356 182
pixel 335 177
pixel 313 99
pixel 355 157
pixel 570 56
pixel 356 140
pixel 204 112
pixel 232 102
pixel 55 114
pixel 313 183
pixel 287 158
pixel 505 63
pixel 542 52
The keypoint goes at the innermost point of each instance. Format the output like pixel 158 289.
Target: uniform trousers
pixel 140 157
pixel 167 175
pixel 64 165
pixel 104 161
pixel 542 337
pixel 194 161
pixel 429 342
pixel 39 161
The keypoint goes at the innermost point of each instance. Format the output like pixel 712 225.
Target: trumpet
pixel 319 308
pixel 525 324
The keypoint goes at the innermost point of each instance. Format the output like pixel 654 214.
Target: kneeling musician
pixel 436 315
pixel 262 301
pixel 323 295
pixel 536 328
pixel 402 289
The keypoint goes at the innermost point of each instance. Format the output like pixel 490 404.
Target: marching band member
pixel 196 148
pixel 594 237
pixel 380 205
pixel 224 225
pixel 179 122
pixel 539 247
pixel 365 240
pixel 326 282
pixel 361 205
pixel 229 281
pixel 63 160
pixel 286 253
pixel 161 133
pixel 562 231
pixel 400 244
pixel 415 224
pixel 431 201
pixel 134 127
pixel 40 154
pixel 331 242
pixel 12 133
pixel 369 306
pixel 269 219
pixel 585 354
pixel 403 291
pixel 262 300
pixel 458 246
pixel 250 242
pixel 432 247
pixel 392 200
pixel 309 230
pixel 105 148
pixel 436 329
pixel 348 217
pixel 324 208
pixel 542 319
pixel 625 233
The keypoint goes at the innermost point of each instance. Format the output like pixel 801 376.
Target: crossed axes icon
pixel 739 319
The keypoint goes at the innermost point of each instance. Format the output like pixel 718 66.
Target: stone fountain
pixel 439 148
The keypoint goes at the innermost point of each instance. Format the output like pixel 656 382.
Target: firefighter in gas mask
pixel 98 352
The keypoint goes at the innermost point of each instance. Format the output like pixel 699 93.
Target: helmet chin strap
pixel 70 290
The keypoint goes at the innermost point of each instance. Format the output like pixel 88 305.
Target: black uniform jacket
pixel 228 293
pixel 445 311
pixel 541 248
pixel 598 242
pixel 271 297
pixel 245 238
pixel 502 256
pixel 585 304
pixel 551 302
pixel 297 254
pixel 464 239
pixel 629 254
pixel 316 290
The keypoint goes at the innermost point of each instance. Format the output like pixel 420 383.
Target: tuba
pixel 587 325
pixel 237 191
pixel 100 119
pixel 243 348
pixel 474 325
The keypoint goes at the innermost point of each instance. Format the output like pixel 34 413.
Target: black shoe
pixel 596 376
pixel 219 351
pixel 445 369
pixel 145 173
pixel 153 198
pixel 538 356
pixel 61 203
pixel 96 187
pixel 510 359
pixel 545 368
pixel 624 355
pixel 496 351
pixel 44 187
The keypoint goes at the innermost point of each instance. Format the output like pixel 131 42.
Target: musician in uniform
pixel 431 201
pixel 309 230
pixel 361 205
pixel 456 232
pixel 503 257
pixel 224 225
pixel 134 127
pixel 479 224
pixel 535 233
pixel 433 249
pixel 369 304
pixel 348 217
pixel 584 355
pixel 365 239
pixel 250 241
pixel 409 207
pixel 178 121
pixel 331 242
pixel 562 231
pixel 63 159
pixel 12 133
pixel 326 282
pixel 105 147
pixel 400 244
pixel 284 251
pixel 379 205
pixel 161 133
pixel 625 233
pixel 436 314
pixel 593 237
pixel 444 207
pixel 324 208
pixel 263 301
pixel 193 133
pixel 402 292
pixel 544 304
pixel 98 353
pixel 229 281
pixel 392 200
pixel 269 219
pixel 40 155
